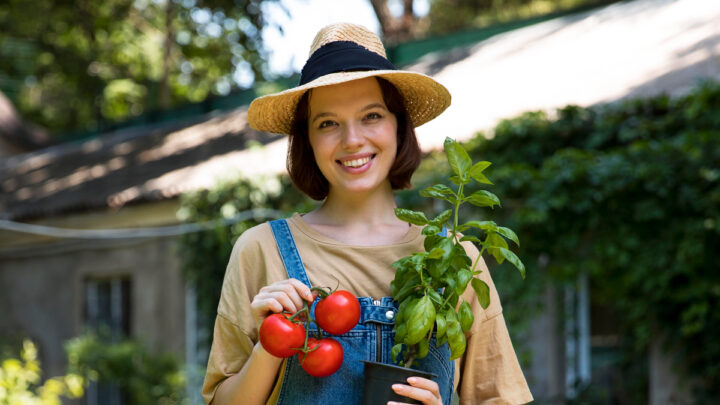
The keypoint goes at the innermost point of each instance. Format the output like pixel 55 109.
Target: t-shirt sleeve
pixel 230 350
pixel 489 370
pixel 235 332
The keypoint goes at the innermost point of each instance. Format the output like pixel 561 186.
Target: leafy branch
pixel 428 286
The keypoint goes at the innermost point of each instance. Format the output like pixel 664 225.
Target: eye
pixel 326 124
pixel 373 116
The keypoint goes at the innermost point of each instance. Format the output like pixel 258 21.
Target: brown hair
pixel 306 174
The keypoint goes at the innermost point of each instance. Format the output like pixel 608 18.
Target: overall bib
pixel 371 339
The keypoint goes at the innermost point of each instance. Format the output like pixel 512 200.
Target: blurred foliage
pixel 144 376
pixel 629 192
pixel 446 16
pixel 84 62
pixel 205 255
pixel 20 381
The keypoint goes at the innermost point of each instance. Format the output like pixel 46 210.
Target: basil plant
pixel 429 285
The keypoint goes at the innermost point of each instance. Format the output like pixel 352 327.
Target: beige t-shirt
pixel 487 373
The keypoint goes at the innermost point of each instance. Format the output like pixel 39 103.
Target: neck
pixel 371 208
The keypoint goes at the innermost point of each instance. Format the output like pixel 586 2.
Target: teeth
pixel 356 162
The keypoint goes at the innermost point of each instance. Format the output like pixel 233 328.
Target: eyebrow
pixel 367 107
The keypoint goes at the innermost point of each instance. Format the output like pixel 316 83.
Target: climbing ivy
pixel 630 193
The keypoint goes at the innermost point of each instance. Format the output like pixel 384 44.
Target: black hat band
pixel 342 56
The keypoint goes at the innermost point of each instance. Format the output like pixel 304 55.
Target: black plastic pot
pixel 379 378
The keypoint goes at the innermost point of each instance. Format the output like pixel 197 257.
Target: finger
pixel 302 290
pixel 425 383
pixel 423 395
pixel 287 303
pixel 292 294
pixel 264 307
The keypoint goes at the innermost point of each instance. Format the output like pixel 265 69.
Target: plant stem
pixel 458 201
pixel 412 351
pixel 477 260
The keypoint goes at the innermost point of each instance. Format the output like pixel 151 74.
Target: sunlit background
pixel 127 171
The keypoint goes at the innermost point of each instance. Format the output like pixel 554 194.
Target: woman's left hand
pixel 422 389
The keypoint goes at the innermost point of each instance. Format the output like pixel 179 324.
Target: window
pixel 107 310
pixel 107 305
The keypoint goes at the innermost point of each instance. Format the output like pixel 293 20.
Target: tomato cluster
pixel 284 336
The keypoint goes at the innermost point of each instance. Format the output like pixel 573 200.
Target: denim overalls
pixel 371 339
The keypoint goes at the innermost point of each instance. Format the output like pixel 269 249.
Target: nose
pixel 353 137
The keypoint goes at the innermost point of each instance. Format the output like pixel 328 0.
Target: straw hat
pixel 341 53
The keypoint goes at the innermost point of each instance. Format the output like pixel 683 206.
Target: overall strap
pixel 288 251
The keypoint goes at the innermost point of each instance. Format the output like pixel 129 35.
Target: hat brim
pixel 424 98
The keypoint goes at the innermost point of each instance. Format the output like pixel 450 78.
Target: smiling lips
pixel 356 163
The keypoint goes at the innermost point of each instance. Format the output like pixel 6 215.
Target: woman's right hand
pixel 286 295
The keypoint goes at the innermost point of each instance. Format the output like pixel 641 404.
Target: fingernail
pixel 412 379
pixel 397 387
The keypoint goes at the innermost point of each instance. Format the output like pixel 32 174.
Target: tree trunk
pixel 395 30
pixel 164 91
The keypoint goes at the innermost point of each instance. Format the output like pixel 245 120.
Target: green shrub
pixel 20 381
pixel 630 193
pixel 143 376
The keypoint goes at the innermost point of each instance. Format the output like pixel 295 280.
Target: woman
pixel 352 142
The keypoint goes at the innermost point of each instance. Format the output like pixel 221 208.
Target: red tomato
pixel 338 312
pixel 278 335
pixel 324 360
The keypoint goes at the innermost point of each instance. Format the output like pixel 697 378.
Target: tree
pixel 395 29
pixel 85 62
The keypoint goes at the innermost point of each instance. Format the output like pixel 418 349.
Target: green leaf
pixel 457 180
pixel 413 217
pixel 448 247
pixel 435 297
pixel 508 233
pixel 476 172
pixel 463 278
pixel 431 241
pixel 400 333
pixel 458 158
pixel 395 351
pixel 439 191
pixel 465 316
pixel 455 335
pixel 436 253
pixel 420 321
pixel 460 258
pixel 441 326
pixel 482 291
pixel 512 258
pixel 423 348
pixel 450 282
pixel 484 225
pixel 493 243
pixel 470 238
pixel 450 294
pixel 441 341
pixel 483 198
pixel 408 288
pixel 431 230
pixel 442 218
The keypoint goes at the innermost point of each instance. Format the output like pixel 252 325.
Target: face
pixel 353 135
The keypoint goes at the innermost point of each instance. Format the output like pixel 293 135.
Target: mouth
pixel 356 163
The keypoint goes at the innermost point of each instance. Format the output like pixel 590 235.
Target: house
pixel 131 178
